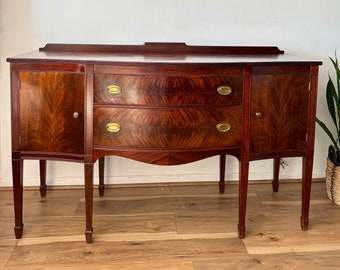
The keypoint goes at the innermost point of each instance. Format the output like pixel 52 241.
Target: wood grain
pixel 162 90
pixel 168 128
pixel 47 103
pixel 282 99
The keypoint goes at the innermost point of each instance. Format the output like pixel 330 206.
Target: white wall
pixel 307 28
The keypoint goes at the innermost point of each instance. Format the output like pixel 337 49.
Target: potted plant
pixel 333 159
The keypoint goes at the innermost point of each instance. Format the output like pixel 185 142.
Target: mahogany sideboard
pixel 161 103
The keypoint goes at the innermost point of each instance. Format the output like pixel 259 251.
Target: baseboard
pixel 170 184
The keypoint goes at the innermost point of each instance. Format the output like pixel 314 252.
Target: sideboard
pixel 161 103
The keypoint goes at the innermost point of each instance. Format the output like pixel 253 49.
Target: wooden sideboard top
pixel 161 53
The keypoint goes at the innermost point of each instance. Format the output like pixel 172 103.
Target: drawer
pixel 168 90
pixel 189 128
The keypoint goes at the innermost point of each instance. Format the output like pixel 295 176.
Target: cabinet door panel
pixel 279 110
pixel 48 102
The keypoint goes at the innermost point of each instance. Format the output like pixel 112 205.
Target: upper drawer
pixel 168 90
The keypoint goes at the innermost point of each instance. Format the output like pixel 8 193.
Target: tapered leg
pixel 275 182
pixel 43 187
pixel 101 176
pixel 88 167
pixel 243 191
pixel 17 170
pixel 306 191
pixel 222 173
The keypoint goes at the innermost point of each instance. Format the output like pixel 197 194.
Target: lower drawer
pixel 186 128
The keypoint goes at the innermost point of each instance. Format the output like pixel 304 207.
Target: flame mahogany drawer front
pixel 174 111
pixel 161 103
pixel 168 128
pixel 169 90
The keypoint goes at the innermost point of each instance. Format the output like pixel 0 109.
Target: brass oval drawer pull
pixel 224 90
pixel 258 114
pixel 113 127
pixel 223 127
pixel 114 89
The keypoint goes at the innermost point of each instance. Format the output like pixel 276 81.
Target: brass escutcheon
pixel 224 90
pixel 75 115
pixel 113 127
pixel 223 127
pixel 114 89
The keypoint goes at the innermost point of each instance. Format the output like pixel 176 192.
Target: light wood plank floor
pixel 172 227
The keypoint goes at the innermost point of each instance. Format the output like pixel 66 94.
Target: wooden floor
pixel 170 227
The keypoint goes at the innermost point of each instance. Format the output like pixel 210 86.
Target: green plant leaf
pixel 329 133
pixel 332 98
pixel 337 71
pixel 333 104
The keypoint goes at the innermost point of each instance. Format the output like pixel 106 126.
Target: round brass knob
pixel 75 115
pixel 224 90
pixel 113 127
pixel 114 89
pixel 223 127
pixel 258 114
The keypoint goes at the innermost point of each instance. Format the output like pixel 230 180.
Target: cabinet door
pixel 279 109
pixel 51 112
